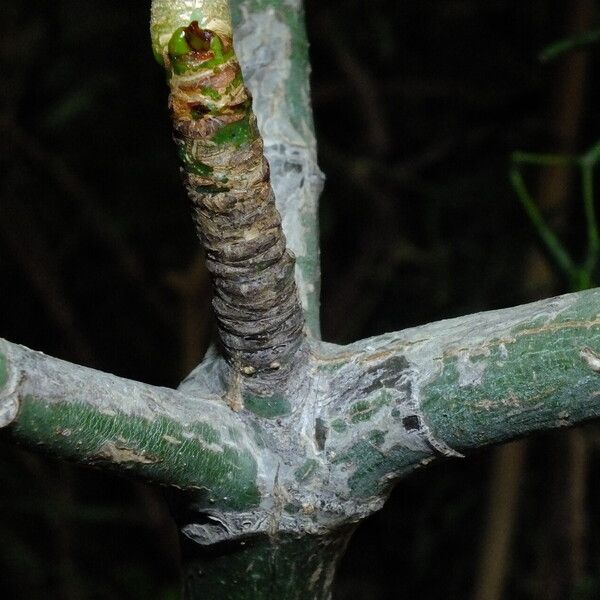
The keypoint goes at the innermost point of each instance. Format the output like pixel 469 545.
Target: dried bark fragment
pixel 227 178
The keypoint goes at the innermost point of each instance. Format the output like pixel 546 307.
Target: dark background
pixel 418 105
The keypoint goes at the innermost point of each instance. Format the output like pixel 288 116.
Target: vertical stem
pixel 264 568
pixel 271 42
pixel 227 178
pixel 553 244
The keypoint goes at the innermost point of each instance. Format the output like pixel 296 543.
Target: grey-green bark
pixel 294 568
pixel 155 433
pixel 276 475
pixel 270 38
pixel 326 452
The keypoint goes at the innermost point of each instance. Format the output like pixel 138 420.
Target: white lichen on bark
pixel 264 44
pixel 9 398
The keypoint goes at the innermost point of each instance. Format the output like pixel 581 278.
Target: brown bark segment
pixel 227 178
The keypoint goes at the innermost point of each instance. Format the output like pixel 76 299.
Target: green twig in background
pixel 587 177
pixel 580 277
pixel 543 160
pixel 576 42
pixel 553 244
pixel 592 156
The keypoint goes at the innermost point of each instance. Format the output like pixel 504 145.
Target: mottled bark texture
pixel 227 178
pixel 150 432
pixel 269 480
pixel 365 414
pixel 315 460
pixel 270 39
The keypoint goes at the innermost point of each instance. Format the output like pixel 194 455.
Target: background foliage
pixel 418 106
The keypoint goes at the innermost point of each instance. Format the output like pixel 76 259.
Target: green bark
pixel 276 479
pixel 538 375
pixel 445 388
pixel 264 568
pixel 366 414
pixel 153 433
pixel 160 450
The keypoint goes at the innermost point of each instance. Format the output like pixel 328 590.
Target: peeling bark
pixel 9 400
pixel 363 414
pixel 272 46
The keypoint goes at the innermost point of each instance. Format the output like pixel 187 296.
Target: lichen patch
pixel 9 408
pixel 591 359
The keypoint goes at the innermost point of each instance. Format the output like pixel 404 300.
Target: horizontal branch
pixel 449 387
pixel 158 434
pixel 539 369
pixel 356 419
pixel 374 411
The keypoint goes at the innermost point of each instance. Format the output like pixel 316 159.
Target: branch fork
pixel 280 445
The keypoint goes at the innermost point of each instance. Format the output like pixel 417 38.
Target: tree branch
pixel 363 415
pixel 271 42
pixel 456 385
pixel 155 433
pixel 227 178
pixel 319 452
